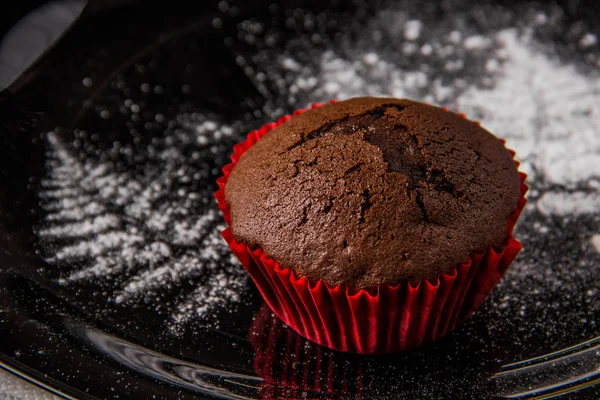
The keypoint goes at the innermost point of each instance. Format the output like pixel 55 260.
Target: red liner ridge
pixel 388 318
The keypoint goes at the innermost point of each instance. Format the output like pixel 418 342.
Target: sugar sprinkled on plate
pixel 143 231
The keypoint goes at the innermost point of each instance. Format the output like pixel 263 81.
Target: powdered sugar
pixel 476 42
pixel 588 40
pixel 565 203
pixel 412 30
pixel 143 232
pixel 542 121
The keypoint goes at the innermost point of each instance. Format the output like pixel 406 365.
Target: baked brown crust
pixel 373 190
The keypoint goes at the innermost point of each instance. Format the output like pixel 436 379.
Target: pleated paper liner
pixel 388 318
pixel 289 366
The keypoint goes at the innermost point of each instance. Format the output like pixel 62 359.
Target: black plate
pixel 113 279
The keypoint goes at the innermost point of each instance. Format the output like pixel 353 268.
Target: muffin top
pixel 373 190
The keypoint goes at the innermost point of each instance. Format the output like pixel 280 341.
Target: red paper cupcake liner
pixel 388 318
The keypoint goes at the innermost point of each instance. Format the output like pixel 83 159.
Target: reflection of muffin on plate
pixel 373 224
pixel 290 365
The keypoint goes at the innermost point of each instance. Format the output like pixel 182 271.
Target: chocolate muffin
pixel 373 191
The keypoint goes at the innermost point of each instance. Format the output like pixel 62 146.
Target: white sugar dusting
pixel 142 232
pixel 564 203
pixel 588 40
pixel 546 110
pixel 221 288
pixel 412 30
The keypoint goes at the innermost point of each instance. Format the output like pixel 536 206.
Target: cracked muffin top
pixel 373 191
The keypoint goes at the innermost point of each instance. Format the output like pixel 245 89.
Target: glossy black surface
pixel 77 339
